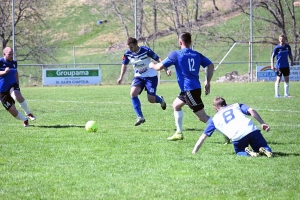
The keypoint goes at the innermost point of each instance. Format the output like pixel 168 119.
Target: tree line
pixel 155 18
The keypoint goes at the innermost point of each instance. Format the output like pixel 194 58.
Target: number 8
pixel 228 116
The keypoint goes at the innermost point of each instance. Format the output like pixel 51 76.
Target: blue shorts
pixel 147 83
pixel 254 139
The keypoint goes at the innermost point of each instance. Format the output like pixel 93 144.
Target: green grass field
pixel 55 158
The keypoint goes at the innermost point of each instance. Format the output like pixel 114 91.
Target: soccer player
pixel 9 87
pixel 187 64
pixel 282 52
pixel 144 77
pixel 231 120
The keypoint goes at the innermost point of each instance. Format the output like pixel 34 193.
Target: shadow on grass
pixel 281 154
pixel 58 126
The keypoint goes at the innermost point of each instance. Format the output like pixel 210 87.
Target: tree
pixel 29 45
pixel 281 14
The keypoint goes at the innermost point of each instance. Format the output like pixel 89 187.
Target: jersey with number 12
pixel 187 64
pixel 232 122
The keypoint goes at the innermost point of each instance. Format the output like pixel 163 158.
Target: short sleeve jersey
pixel 187 64
pixel 140 61
pixel 7 80
pixel 232 122
pixel 282 53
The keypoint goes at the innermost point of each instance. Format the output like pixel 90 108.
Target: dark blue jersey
pixel 282 54
pixel 7 80
pixel 187 64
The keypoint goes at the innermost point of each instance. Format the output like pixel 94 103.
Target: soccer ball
pixel 91 126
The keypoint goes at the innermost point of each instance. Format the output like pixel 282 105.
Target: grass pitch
pixel 55 158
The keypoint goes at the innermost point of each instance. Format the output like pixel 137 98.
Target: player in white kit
pixel 231 120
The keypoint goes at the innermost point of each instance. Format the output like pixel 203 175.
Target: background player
pixel 144 77
pixel 282 52
pixel 9 87
pixel 231 121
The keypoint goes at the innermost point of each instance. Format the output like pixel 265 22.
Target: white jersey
pixel 140 61
pixel 232 122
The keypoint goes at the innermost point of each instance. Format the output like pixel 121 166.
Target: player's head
pixel 8 54
pixel 282 39
pixel 132 44
pixel 218 103
pixel 185 39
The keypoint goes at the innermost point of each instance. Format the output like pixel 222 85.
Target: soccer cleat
pixel 31 117
pixel 226 139
pixel 26 124
pixel 139 121
pixel 251 153
pixel 176 136
pixel 163 103
pixel 287 96
pixel 262 150
pixel 277 96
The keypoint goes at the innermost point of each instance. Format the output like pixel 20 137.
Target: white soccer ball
pixel 91 126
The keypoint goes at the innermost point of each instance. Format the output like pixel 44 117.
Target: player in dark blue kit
pixel 187 64
pixel 144 77
pixel 9 87
pixel 282 52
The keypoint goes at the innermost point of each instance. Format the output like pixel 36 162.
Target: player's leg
pixel 259 144
pixel 241 147
pixel 178 103
pixel 136 89
pixel 9 105
pixel 17 96
pixel 151 87
pixel 277 83
pixel 286 75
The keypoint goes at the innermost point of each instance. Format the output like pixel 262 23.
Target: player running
pixel 9 88
pixel 144 77
pixel 187 65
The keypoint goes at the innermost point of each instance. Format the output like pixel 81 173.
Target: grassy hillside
pixel 74 25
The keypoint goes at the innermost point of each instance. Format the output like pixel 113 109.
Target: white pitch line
pixel 147 103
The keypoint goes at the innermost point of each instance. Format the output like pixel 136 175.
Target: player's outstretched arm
pixel 157 66
pixel 209 74
pixel 259 119
pixel 123 71
pixel 199 143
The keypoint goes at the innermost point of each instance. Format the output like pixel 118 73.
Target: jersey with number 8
pixel 232 122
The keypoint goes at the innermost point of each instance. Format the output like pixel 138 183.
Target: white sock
pixel 24 106
pixel 286 89
pixel 178 115
pixel 276 88
pixel 21 117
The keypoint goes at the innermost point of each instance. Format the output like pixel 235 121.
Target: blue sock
pixel 158 99
pixel 242 153
pixel 137 106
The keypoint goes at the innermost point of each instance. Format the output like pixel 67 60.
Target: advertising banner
pixel 71 76
pixel 265 73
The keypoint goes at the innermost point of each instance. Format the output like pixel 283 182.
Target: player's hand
pixel 151 64
pixel 168 72
pixel 119 81
pixel 273 68
pixel 265 127
pixel 207 88
pixel 292 63
pixel 6 70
